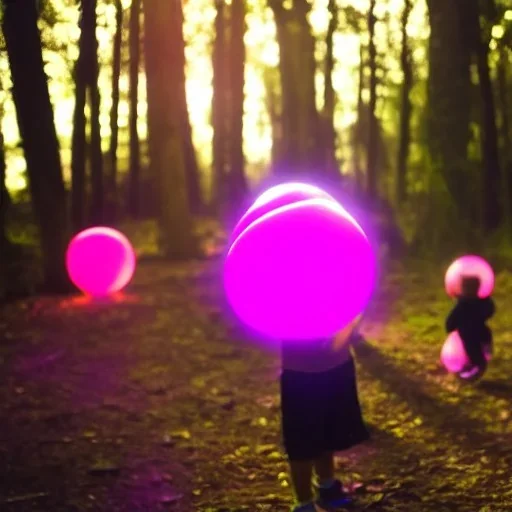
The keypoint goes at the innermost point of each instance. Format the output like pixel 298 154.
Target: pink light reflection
pixel 469 265
pixel 300 272
pixel 275 197
pixel 100 261
pixel 453 354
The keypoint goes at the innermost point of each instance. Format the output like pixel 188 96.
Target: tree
pixel 331 164
pixel 134 171
pixel 405 110
pixel 164 45
pixel 373 141
pixel 194 195
pixel 96 213
pixel 86 80
pixel 491 173
pixel 114 113
pixel 237 181
pixel 449 104
pixel 301 142
pixel 219 107
pixel 37 129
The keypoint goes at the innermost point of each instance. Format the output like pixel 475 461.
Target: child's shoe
pixel 333 496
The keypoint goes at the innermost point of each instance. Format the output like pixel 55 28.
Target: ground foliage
pixel 154 401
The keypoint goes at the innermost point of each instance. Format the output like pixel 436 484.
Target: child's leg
pixel 324 468
pixel 475 352
pixel 301 472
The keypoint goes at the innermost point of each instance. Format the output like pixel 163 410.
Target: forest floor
pixel 154 401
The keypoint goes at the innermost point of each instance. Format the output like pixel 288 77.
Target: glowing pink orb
pixel 469 265
pixel 100 261
pixel 453 353
pixel 300 272
pixel 275 197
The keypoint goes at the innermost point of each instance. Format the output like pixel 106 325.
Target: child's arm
pixel 452 322
pixel 489 308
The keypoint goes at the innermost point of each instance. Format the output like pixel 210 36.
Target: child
pixel 320 415
pixel 468 317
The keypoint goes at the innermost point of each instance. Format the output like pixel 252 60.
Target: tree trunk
pixel 297 66
pixel 78 144
pixel 96 214
pixel 491 175
pixel 405 111
pixel 37 129
pixel 505 133
pixel 237 180
pixel 331 164
pixel 357 133
pixel 114 112
pixel 163 46
pixel 449 103
pixel 195 197
pixel 219 108
pixel 4 198
pixel 134 172
pixel 373 141
pixel 272 103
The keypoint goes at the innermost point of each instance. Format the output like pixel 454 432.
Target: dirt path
pixel 154 403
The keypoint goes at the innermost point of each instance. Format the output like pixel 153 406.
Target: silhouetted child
pixel 320 415
pixel 468 317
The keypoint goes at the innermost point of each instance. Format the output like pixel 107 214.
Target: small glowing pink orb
pixel 303 271
pixel 453 353
pixel 469 265
pixel 100 261
pixel 275 197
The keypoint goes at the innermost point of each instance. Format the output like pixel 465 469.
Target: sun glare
pixel 262 58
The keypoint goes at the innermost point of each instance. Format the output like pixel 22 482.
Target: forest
pixel 164 119
pixel 109 116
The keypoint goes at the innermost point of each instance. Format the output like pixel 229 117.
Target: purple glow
pixel 453 354
pixel 469 265
pixel 300 272
pixel 275 197
pixel 100 261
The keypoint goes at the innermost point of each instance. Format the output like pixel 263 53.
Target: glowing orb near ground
pixel 100 261
pixel 453 353
pixel 469 265
pixel 275 197
pixel 302 271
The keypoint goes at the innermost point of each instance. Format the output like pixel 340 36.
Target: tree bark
pixel 163 46
pixel 37 129
pixel 114 112
pixel 96 214
pixel 237 179
pixel 449 103
pixel 301 143
pixel 134 172
pixel 4 198
pixel 195 197
pixel 491 173
pixel 219 108
pixel 357 134
pixel 373 141
pixel 331 164
pixel 505 133
pixel 78 142
pixel 405 111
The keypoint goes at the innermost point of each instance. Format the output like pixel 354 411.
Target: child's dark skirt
pixel 321 412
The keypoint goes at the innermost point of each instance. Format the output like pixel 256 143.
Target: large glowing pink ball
pixel 100 261
pixel 275 197
pixel 469 265
pixel 300 272
pixel 453 353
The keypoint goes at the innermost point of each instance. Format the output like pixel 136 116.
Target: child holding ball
pixel 469 317
pixel 320 415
